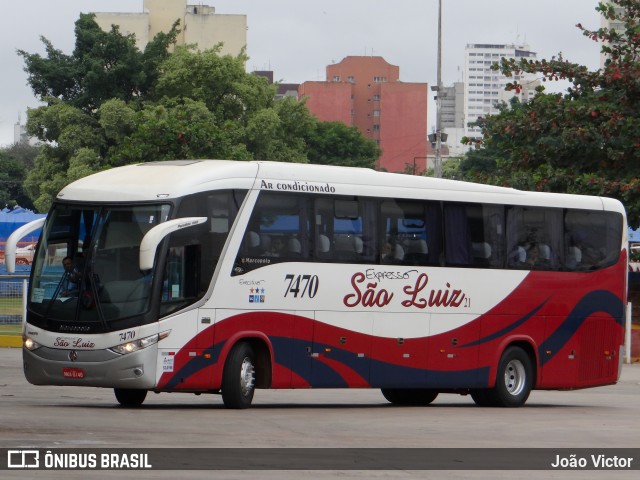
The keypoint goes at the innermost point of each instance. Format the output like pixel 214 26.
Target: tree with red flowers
pixel 586 140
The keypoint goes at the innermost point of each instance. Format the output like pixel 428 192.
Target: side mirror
pixel 12 242
pixel 152 239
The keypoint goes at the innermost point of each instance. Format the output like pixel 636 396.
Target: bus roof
pixel 174 179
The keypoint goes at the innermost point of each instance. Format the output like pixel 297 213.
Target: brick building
pixel 366 92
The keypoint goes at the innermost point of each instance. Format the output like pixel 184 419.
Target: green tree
pixel 108 105
pixel 15 161
pixel 334 143
pixel 583 141
pixel 104 65
pixel 220 82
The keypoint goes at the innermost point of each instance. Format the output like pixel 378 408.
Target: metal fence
pixel 12 298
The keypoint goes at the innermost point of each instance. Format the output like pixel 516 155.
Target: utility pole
pixel 438 159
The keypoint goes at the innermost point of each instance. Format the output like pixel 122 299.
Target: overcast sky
pixel 297 39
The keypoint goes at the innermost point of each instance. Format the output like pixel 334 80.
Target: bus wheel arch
pixel 514 380
pixel 263 362
pixel 262 350
pixel 247 366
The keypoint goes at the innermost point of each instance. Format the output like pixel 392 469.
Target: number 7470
pixel 301 286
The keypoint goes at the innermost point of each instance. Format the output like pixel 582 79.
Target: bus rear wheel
pixel 514 381
pixel 239 377
pixel 128 397
pixel 409 396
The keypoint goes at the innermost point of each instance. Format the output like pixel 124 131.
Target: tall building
pixel 485 88
pixel 199 24
pixel 453 119
pixel 452 105
pixel 366 92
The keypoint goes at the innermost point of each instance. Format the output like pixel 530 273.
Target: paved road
pixel 58 417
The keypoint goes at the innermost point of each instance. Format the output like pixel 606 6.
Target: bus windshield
pixel 86 268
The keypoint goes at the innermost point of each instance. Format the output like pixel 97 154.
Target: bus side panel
pixel 498 331
pixel 399 362
pixel 341 356
pixel 589 358
pixel 562 370
pixel 185 356
pixel 286 336
pixel 558 314
pixel 453 360
pixel 584 328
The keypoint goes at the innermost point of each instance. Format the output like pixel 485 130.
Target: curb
pixel 10 341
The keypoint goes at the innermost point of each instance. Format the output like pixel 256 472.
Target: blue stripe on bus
pixel 594 302
pixel 508 328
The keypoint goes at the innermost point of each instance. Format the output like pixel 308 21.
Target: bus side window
pixel 458 248
pixel 278 231
pixel 354 221
pixel 474 235
pixel 534 238
pixel 591 239
pixel 411 232
pixel 182 277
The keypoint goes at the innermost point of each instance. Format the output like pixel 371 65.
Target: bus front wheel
pixel 514 381
pixel 128 397
pixel 409 396
pixel 239 377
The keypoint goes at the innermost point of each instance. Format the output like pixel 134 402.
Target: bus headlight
pixel 30 344
pixel 142 343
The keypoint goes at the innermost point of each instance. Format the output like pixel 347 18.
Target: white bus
pixel 211 276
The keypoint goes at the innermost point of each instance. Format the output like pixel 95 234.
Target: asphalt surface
pixel 47 417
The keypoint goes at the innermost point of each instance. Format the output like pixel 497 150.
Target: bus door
pixel 186 352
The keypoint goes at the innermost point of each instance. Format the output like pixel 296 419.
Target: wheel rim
pixel 247 377
pixel 515 377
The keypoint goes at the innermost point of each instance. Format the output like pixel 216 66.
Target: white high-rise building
pixel 485 88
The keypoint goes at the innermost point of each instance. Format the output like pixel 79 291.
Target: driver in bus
pixel 71 278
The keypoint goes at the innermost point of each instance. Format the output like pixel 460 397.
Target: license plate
pixel 73 373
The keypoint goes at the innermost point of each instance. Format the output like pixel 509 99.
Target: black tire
pixel 514 380
pixel 409 396
pixel 480 397
pixel 128 397
pixel 239 377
